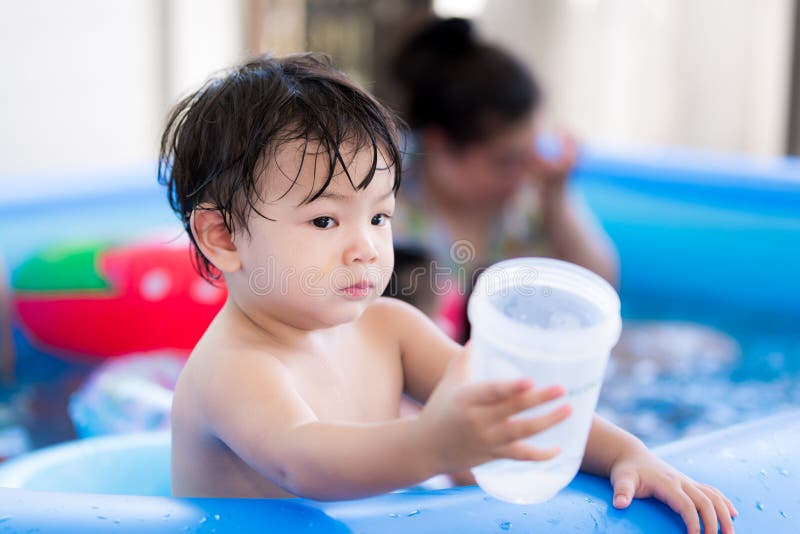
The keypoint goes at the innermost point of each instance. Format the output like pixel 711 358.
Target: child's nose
pixel 361 249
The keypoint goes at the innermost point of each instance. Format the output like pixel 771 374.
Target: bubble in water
pixel 783 472
pixel 394 516
pixel 216 517
pixel 203 520
pixel 561 320
pixel 759 505
pixel 412 513
pixel 784 514
pixel 505 525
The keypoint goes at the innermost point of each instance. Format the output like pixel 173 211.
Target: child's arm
pixel 573 235
pixel 636 472
pixel 610 451
pixel 253 408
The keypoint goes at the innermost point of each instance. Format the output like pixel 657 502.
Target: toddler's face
pixel 319 263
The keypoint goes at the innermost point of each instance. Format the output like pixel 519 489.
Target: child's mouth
pixel 358 290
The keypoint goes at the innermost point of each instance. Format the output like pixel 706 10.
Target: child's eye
pixel 323 222
pixel 380 219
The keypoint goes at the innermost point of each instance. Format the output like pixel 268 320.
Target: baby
pixel 284 174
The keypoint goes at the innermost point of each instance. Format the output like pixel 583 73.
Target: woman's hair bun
pixel 438 42
pixel 447 37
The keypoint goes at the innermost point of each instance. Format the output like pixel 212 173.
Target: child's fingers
pixel 720 507
pixel 728 504
pixel 494 392
pixel 523 452
pixel 526 400
pixel 704 506
pixel 524 428
pixel 624 489
pixel 681 504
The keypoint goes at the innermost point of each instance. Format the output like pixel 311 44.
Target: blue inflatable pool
pixel 118 484
pixel 707 238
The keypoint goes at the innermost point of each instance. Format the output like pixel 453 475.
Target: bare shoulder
pixel 215 372
pixel 396 313
pixel 406 323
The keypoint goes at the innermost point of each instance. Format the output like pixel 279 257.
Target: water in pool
pixel 676 373
pixel 672 374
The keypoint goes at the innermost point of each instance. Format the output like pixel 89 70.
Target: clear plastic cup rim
pixel 528 340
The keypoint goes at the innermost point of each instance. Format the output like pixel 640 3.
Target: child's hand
pixel 641 474
pixel 464 425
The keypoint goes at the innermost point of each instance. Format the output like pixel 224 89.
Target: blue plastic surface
pixel 757 465
pixel 702 227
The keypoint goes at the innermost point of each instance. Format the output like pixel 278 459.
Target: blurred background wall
pixel 712 74
pixel 86 83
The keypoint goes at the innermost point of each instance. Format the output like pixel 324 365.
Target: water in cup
pixel 556 329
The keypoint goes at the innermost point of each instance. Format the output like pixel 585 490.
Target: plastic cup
pixel 555 323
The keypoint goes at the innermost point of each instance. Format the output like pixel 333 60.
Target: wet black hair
pixel 455 81
pixel 219 139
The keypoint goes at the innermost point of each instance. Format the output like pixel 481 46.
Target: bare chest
pixel 350 387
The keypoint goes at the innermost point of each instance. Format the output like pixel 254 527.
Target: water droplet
pixel 588 499
pixel 394 516
pixel 763 472
pixel 760 505
pixel 784 514
pixel 203 520
pixel 783 472
pixel 413 513
pixel 505 525
pixel 216 517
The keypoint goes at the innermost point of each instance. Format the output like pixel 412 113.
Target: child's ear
pixel 214 239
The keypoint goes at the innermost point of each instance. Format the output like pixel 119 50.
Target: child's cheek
pixel 328 268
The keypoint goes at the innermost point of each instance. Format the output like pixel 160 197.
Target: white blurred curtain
pixel 86 84
pixel 711 74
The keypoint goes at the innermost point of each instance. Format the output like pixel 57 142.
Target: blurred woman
pixel 476 190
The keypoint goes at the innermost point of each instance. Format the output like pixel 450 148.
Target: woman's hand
pixel 641 474
pixel 554 173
